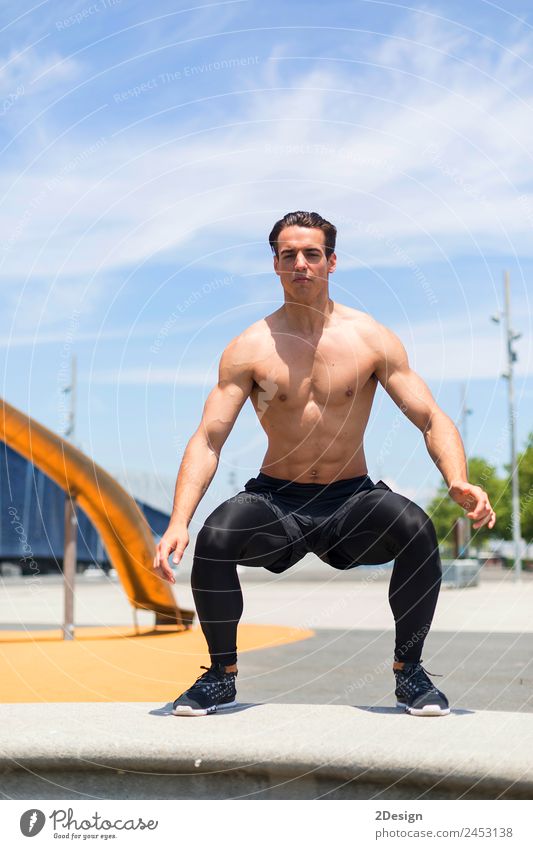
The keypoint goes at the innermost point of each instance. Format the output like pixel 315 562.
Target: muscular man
pixel 311 369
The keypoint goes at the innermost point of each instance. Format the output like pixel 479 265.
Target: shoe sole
pixel 427 710
pixel 185 710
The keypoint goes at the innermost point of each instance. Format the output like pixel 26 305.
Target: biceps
pixel 221 409
pixel 412 396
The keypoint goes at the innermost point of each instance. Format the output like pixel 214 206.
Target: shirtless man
pixel 311 369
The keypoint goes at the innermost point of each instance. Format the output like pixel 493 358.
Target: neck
pixel 308 318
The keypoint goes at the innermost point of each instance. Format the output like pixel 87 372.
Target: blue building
pixel 32 519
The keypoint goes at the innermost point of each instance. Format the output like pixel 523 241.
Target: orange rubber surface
pixel 115 664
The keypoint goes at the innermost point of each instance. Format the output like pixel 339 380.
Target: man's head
pixel 303 244
pixel 304 219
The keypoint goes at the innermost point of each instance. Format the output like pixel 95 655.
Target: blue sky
pixel 147 151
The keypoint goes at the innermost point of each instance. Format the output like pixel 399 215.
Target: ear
pixel 332 263
pixel 276 264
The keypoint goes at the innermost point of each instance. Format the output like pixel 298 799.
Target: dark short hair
pixel 304 219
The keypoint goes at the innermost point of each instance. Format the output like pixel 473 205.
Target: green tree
pixel 525 488
pixel 444 511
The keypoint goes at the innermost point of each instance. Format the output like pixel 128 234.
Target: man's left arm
pixel 443 441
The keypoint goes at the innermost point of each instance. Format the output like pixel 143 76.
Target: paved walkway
pixel 337 600
pixel 333 645
pixel 316 715
pixel 261 751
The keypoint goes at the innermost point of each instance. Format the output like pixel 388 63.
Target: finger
pixel 482 522
pixel 158 559
pixel 162 555
pixel 159 566
pixel 479 511
pixel 166 573
pixel 178 554
pixel 164 549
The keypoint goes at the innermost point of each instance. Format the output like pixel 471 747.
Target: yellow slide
pixel 120 522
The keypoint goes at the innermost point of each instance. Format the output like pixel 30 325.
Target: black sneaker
pixel 417 694
pixel 215 688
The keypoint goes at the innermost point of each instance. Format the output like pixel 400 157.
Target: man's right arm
pixel 200 461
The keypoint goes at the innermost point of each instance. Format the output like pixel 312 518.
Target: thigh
pixel 375 529
pixel 244 529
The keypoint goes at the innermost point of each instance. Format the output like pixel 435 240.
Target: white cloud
pixel 142 375
pixel 23 67
pixel 434 153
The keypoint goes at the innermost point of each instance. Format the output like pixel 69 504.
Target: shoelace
pixel 205 677
pixel 209 675
pixel 415 673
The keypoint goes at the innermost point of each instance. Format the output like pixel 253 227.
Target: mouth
pixel 301 279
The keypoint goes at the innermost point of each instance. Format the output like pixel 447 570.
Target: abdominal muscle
pixel 313 400
pixel 316 446
pixel 305 470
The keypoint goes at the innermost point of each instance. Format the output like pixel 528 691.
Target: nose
pixel 299 262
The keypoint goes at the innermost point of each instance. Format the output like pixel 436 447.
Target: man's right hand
pixel 176 539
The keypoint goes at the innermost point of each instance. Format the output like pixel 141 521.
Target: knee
pixel 213 543
pixel 418 526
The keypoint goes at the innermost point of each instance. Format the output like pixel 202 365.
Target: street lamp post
pixel 510 337
pixel 71 525
pixel 465 412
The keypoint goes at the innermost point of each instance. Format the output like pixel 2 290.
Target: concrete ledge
pixel 134 750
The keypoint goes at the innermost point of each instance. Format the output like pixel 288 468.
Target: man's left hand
pixel 475 500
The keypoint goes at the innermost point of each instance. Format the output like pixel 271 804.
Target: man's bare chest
pixel 293 372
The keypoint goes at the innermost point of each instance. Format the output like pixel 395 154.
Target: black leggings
pixel 379 526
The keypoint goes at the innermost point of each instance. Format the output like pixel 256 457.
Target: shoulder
pixel 378 335
pixel 247 340
pixel 365 325
pixel 384 345
pixel 246 348
pixel 358 319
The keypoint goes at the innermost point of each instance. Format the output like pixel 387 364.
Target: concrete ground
pixel 261 751
pixel 481 640
pixel 315 715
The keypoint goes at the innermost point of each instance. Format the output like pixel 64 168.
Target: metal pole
pixel 73 399
pixel 71 427
pixel 69 564
pixel 465 412
pixel 71 525
pixel 511 357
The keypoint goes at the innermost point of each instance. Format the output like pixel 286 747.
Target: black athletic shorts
pixel 311 514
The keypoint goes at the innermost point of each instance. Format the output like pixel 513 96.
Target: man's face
pixel 301 262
